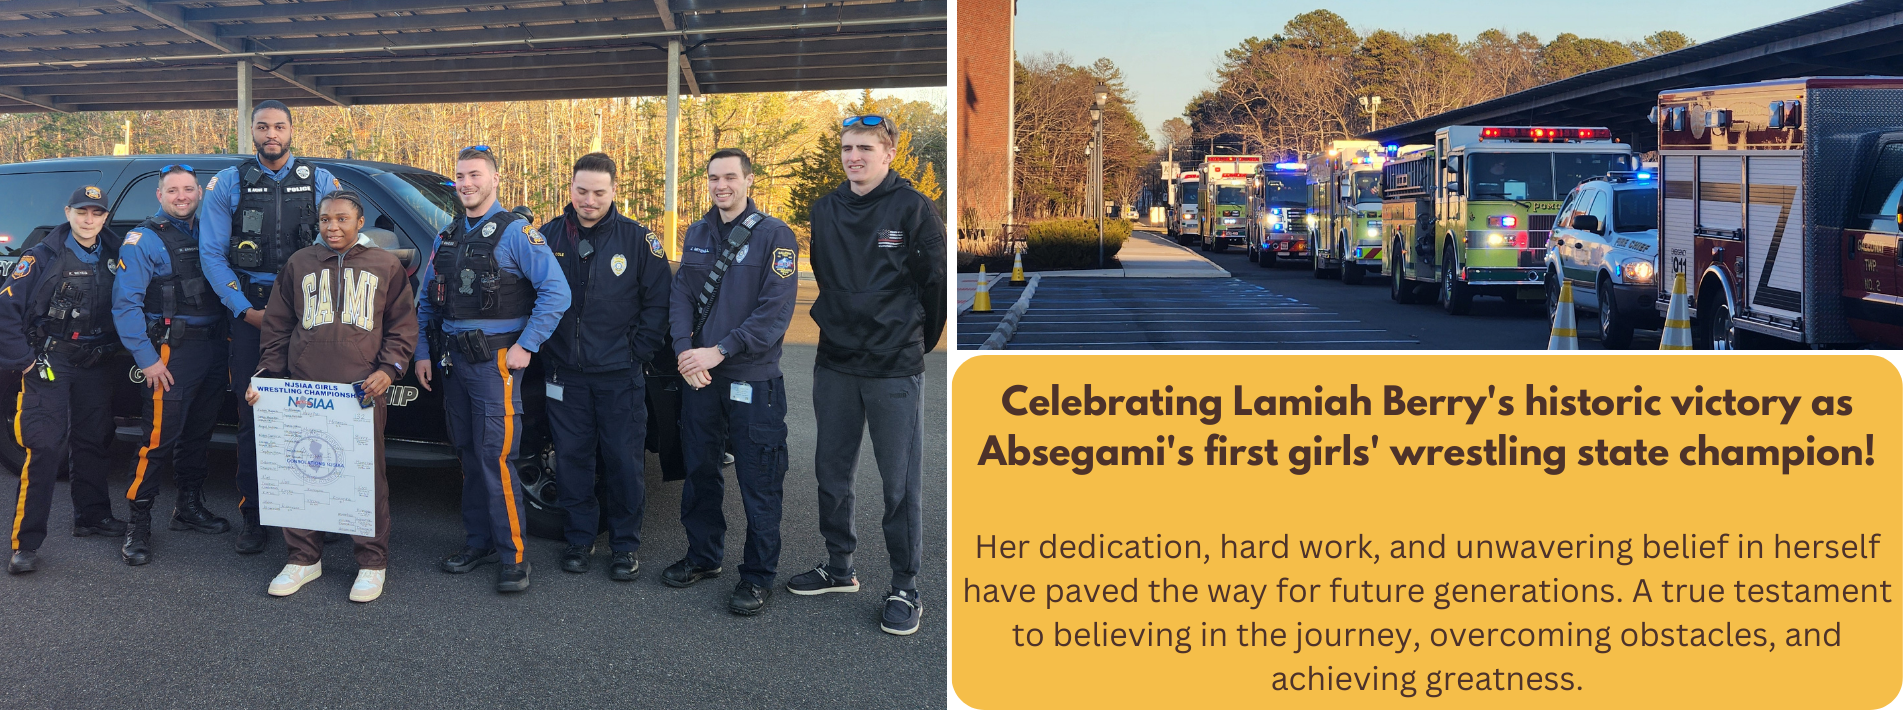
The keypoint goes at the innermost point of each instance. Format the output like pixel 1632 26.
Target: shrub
pixel 1072 243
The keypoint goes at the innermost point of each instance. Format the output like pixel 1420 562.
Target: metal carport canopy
pixel 110 55
pixel 1856 38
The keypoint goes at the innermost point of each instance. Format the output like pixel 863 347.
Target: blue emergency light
pixel 1291 166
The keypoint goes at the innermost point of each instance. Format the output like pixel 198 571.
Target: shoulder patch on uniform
pixel 213 185
pixel 334 185
pixel 23 268
pixel 133 236
pixel 783 262
pixel 654 245
pixel 233 285
pixel 534 236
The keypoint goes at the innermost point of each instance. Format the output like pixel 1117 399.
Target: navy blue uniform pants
pixel 244 362
pixel 710 418
pixel 483 404
pixel 71 414
pixel 178 421
pixel 600 416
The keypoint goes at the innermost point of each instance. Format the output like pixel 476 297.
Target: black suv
pixel 404 209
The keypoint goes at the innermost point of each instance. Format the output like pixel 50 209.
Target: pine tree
pixel 816 175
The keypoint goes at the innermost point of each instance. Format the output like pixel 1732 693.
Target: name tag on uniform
pixel 554 391
pixel 741 392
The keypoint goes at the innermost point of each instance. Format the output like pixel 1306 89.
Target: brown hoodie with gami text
pixel 337 317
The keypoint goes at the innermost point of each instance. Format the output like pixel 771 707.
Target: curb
pixel 1008 326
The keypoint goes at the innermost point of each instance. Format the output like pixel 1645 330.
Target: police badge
pixel 303 172
pixel 741 255
pixel 783 262
pixel 619 264
pixel 488 229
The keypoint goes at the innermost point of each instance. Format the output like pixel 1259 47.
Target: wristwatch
pixel 721 348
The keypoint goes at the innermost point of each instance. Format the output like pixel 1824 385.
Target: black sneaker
pixel 685 574
pixel 575 558
pixel 469 559
pixel 625 568
pixel 23 561
pixel 902 610
pixel 512 577
pixel 748 598
pixel 105 527
pixel 253 540
pixel 819 581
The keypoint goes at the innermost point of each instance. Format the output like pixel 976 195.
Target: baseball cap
pixel 88 196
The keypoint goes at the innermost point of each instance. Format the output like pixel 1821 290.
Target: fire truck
pixel 1280 227
pixel 1227 182
pixel 1344 209
pixel 1183 224
pixel 1470 214
pixel 1779 205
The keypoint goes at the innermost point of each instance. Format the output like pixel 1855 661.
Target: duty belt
pixel 81 354
pixel 165 331
pixel 258 293
pixel 477 346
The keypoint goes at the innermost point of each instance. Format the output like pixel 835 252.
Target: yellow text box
pixel 1479 531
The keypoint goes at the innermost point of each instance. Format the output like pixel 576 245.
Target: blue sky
pixel 1169 51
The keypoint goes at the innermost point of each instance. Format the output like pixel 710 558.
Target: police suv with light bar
pixel 1605 244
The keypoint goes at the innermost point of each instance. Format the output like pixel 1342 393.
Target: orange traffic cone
pixel 1678 319
pixel 1565 328
pixel 981 301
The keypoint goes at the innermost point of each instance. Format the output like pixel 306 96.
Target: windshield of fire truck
pixel 1231 196
pixel 1510 176
pixel 1367 187
pixel 1190 192
pixel 1285 190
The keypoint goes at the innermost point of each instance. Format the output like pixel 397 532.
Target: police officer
pixel 56 328
pixel 731 303
pixel 619 278
pixel 493 294
pixel 256 216
pixel 170 319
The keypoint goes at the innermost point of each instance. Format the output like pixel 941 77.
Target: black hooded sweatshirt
pixel 879 260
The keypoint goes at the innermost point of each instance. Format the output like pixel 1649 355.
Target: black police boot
pixel 512 577
pixel 23 561
pixel 104 527
pixel 625 567
pixel 254 538
pixel 138 547
pixel 469 559
pixel 685 574
pixel 576 558
pixel 748 598
pixel 190 512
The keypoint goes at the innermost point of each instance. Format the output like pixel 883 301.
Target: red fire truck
pixel 1779 205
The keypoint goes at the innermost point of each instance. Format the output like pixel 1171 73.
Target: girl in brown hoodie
pixel 349 315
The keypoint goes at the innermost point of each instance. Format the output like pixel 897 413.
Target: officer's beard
pixel 264 150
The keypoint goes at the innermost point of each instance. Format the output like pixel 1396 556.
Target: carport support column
pixel 241 140
pixel 673 146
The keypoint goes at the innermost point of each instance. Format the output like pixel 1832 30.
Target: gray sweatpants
pixel 893 408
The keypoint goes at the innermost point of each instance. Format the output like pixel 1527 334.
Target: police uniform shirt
pixel 522 251
pixel 16 294
pixel 143 258
pixel 214 230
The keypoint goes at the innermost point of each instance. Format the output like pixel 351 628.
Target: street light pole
pixel 1096 167
pixel 1371 104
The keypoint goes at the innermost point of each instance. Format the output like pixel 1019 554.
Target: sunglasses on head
pixel 867 120
pixel 482 148
pixel 177 167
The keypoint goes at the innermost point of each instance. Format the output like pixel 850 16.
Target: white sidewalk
pixel 1150 255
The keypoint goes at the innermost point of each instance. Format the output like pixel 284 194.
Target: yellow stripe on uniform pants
pixel 508 437
pixel 19 508
pixel 158 425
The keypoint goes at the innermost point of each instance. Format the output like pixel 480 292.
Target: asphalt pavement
pixel 1284 307
pixel 195 628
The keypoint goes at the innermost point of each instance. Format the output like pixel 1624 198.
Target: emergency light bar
pixel 1291 166
pixel 1544 134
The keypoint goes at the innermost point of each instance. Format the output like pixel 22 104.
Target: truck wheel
pixel 1201 242
pixel 1254 254
pixel 1719 330
pixel 1455 297
pixel 1552 294
pixel 547 520
pixel 1352 273
pixel 1615 328
pixel 1220 245
pixel 1267 261
pixel 1400 289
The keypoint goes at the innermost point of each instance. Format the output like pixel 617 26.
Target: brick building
pixel 986 66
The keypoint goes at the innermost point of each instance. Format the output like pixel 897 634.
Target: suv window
pixel 36 199
pixel 1635 210
pixel 141 199
pixel 426 195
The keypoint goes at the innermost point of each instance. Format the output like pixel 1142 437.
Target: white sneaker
pixel 369 585
pixel 293 577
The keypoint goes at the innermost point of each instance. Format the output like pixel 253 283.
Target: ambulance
pixel 1344 209
pixel 1779 206
pixel 1227 182
pixel 1184 225
pixel 1470 214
